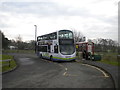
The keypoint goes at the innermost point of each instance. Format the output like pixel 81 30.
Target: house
pixel 12 47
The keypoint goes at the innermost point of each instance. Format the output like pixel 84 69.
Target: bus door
pixel 49 48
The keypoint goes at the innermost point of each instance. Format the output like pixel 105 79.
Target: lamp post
pixel 35 36
pixel 35 32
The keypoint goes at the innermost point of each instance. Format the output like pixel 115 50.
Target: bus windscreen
pixel 65 34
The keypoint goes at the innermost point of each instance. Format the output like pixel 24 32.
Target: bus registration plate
pixel 68 56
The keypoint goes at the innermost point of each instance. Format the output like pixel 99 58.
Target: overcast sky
pixel 93 18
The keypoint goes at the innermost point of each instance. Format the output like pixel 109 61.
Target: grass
pixel 115 63
pixel 109 58
pixel 12 63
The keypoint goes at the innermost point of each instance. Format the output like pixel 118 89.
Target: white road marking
pixel 105 75
pixel 64 73
pixel 66 69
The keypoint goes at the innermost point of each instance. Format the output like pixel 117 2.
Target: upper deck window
pixel 39 38
pixel 65 34
pixel 53 35
pixel 50 36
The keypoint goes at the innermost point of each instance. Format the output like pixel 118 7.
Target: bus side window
pixel 56 49
pixel 49 48
pixel 44 48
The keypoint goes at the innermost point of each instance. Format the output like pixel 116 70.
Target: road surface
pixel 33 72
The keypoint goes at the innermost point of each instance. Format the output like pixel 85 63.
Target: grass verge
pixel 107 57
pixel 7 67
pixel 115 63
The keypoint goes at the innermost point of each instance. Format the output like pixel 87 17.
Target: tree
pixel 105 45
pixel 31 45
pixel 78 36
pixel 5 41
pixel 19 43
pixel 19 38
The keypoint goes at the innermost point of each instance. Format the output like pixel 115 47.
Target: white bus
pixel 57 46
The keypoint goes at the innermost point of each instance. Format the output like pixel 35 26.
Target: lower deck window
pixel 42 48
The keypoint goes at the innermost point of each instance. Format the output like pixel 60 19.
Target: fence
pixel 6 64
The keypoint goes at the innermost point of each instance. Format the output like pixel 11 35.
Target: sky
pixel 93 18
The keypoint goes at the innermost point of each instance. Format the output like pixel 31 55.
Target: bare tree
pixel 19 38
pixel 78 36
pixel 19 42
pixel 105 45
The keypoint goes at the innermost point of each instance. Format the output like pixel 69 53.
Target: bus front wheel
pixel 40 56
pixel 51 58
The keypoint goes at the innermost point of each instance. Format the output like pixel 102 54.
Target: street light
pixel 35 36
pixel 35 32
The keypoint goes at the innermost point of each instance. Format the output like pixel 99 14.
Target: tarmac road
pixel 33 72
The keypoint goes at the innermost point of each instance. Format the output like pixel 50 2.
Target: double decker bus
pixel 57 46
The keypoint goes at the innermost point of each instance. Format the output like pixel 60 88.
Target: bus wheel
pixel 41 56
pixel 51 59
